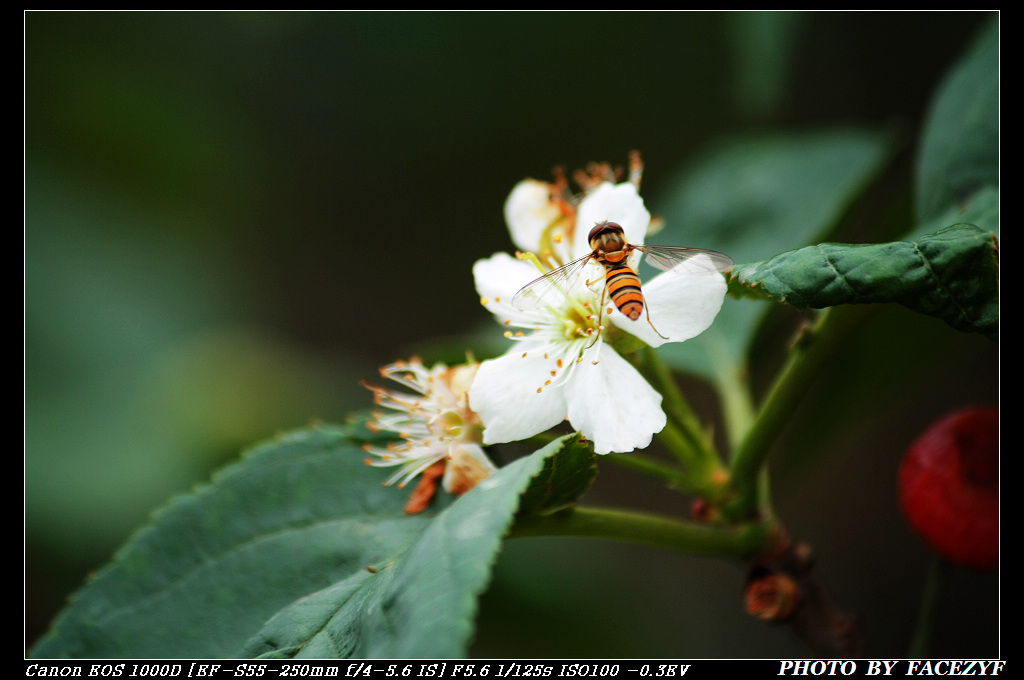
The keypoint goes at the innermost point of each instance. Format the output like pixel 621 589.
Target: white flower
pixel 440 433
pixel 562 365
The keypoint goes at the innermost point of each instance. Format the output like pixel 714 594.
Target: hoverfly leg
pixel 647 309
pixel 600 317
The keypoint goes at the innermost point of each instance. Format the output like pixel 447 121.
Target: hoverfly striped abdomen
pixel 621 282
pixel 623 287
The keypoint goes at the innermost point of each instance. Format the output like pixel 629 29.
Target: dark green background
pixel 231 218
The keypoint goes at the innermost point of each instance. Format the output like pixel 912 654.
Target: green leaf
pixel 298 550
pixel 295 516
pixel 752 198
pixel 564 479
pixel 981 210
pixel 959 154
pixel 422 604
pixel 952 274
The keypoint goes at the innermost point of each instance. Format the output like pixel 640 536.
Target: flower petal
pixel 612 405
pixel 529 210
pixel 681 306
pixel 613 203
pixel 509 397
pixel 501 275
pixel 498 279
pixel 467 466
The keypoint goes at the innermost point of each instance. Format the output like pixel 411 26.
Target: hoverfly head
pixel 606 237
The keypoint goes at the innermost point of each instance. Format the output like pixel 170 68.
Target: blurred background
pixel 232 218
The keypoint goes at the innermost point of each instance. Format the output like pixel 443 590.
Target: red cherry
pixel 949 487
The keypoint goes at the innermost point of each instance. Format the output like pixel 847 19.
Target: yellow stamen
pixel 532 259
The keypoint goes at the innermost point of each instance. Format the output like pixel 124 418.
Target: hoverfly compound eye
pixel 604 227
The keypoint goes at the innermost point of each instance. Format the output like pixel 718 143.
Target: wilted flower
pixel 440 434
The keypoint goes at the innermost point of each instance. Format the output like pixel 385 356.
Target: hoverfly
pixel 612 251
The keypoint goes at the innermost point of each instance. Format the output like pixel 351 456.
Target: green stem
pixel 699 483
pixel 739 542
pixel 683 435
pixel 649 466
pixel 734 392
pixel 807 356
pixel 938 571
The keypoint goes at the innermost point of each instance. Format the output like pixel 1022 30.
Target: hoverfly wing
pixel 686 260
pixel 551 288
